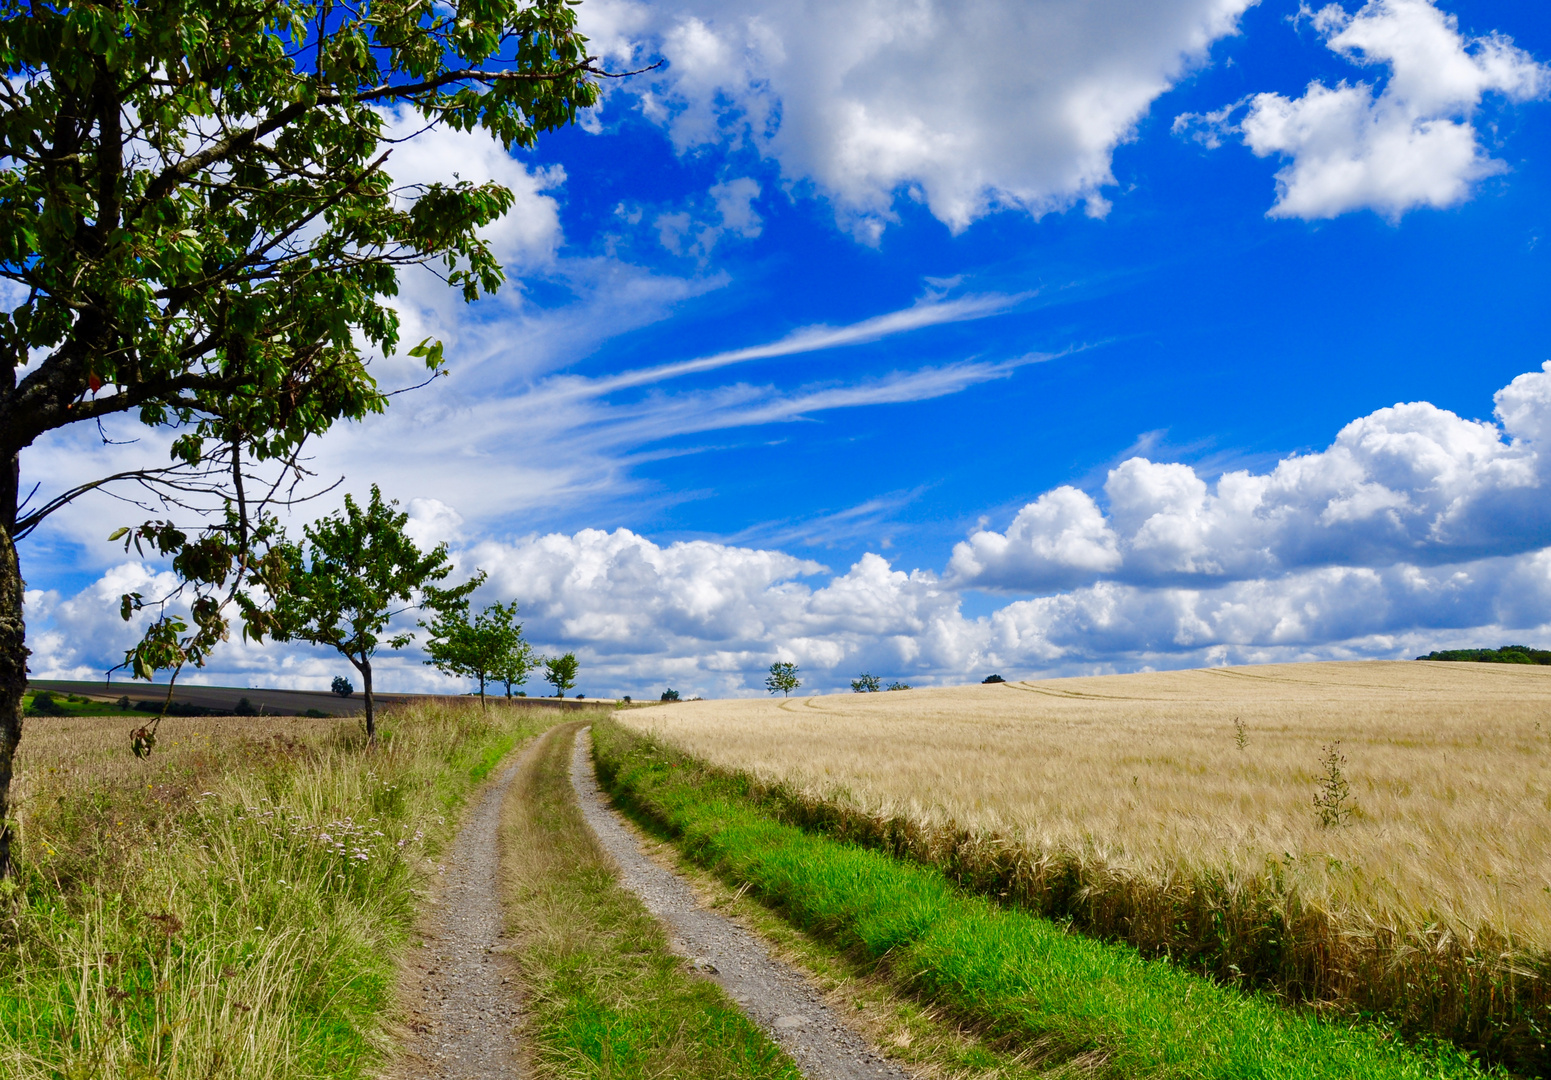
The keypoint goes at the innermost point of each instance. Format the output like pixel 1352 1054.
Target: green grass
pixel 240 917
pixel 604 994
pixel 924 1037
pixel 1022 981
pixel 75 705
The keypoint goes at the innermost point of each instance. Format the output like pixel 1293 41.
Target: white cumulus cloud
pixel 967 107
pixel 729 211
pixel 1412 143
pixel 1410 484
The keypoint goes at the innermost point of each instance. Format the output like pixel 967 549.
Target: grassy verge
pixel 929 1040
pixel 233 905
pixel 605 996
pixel 1023 981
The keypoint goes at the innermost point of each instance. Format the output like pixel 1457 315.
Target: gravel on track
pixel 775 996
pixel 461 986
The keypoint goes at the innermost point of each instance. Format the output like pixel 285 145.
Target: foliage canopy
pixel 488 647
pixel 782 678
pixel 560 672
pixel 357 572
pixel 1506 654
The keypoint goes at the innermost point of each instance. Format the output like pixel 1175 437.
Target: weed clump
pixel 1332 800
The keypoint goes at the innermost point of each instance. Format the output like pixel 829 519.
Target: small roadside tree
pixel 783 678
pixel 866 684
pixel 516 662
pixel 356 572
pixel 560 672
pixel 486 648
pixel 341 686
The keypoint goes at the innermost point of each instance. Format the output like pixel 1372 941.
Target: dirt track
pixel 773 995
pixel 460 988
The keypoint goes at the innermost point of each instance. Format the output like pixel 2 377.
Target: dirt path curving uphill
pixel 460 988
pixel 773 995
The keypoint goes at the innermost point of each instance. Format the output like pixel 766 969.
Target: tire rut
pixel 775 996
pixel 460 989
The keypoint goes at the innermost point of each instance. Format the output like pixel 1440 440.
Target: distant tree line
pixel 1507 654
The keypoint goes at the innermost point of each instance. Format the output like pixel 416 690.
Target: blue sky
pixel 948 271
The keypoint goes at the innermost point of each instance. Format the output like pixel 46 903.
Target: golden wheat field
pixel 1449 767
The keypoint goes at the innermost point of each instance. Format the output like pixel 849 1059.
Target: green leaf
pixel 431 350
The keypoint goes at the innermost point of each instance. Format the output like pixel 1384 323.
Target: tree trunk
pixel 13 680
pixel 365 668
pixel 481 693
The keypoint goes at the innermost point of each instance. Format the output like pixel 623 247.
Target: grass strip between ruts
pixel 604 994
pixel 1018 978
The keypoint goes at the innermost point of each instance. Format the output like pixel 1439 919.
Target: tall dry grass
pixel 231 906
pixel 1126 804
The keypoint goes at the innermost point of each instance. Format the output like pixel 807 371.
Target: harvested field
pixel 1127 804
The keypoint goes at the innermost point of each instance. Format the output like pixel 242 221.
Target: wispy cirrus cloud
pixel 535 451
pixel 495 444
pixel 531 448
pixel 810 339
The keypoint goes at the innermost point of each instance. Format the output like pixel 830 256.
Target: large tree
pixel 199 229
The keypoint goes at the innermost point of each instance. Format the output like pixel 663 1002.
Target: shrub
pixel 43 704
pixel 244 707
pixel 992 679
pixel 866 684
pixel 180 708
